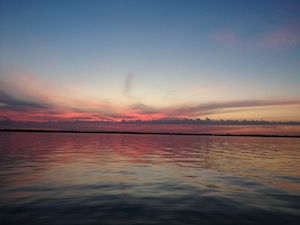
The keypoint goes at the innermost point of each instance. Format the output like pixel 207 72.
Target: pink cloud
pixel 42 101
pixel 283 37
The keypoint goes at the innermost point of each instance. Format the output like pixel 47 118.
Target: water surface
pixel 64 178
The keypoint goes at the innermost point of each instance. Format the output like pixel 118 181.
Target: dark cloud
pixel 170 121
pixel 9 102
pixel 211 122
pixel 22 104
pixel 144 109
pixel 193 111
pixel 128 85
pixel 213 108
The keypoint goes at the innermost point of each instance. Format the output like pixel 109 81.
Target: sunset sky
pixel 149 59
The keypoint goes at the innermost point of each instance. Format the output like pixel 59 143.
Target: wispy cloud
pixel 170 95
pixel 276 38
pixel 186 110
pixel 144 109
pixel 9 102
pixel 128 85
pixel 22 102
pixel 282 37
pixel 141 111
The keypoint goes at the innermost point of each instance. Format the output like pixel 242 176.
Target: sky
pixel 149 59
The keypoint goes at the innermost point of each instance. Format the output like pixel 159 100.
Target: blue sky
pixel 150 59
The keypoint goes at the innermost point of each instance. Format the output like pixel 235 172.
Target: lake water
pixel 65 178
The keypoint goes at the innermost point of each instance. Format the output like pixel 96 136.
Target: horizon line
pixel 145 133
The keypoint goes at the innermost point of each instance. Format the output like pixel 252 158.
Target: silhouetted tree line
pixel 9 122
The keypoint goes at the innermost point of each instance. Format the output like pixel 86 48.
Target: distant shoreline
pixel 148 133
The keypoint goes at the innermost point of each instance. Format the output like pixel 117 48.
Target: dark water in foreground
pixel 51 178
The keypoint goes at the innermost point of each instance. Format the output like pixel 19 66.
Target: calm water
pixel 51 178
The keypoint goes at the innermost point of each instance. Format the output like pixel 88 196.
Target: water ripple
pixel 148 179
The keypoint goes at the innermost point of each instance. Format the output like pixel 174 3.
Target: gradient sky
pixel 149 59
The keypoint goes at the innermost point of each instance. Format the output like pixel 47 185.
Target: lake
pixel 77 178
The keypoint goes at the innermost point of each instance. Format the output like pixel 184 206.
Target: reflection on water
pixel 51 178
